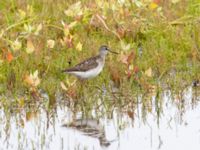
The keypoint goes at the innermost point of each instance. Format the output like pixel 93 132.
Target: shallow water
pixel 176 129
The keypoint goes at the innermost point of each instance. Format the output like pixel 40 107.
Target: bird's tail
pixel 64 71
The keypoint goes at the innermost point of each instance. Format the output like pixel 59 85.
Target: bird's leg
pixel 82 83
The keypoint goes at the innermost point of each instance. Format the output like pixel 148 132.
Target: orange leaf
pixel 131 57
pixel 136 69
pixel 32 80
pixel 130 114
pixel 72 92
pixel 115 75
pixel 9 57
pixel 68 41
pixel 30 115
pixel 127 58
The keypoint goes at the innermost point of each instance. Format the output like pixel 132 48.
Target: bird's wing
pixel 83 66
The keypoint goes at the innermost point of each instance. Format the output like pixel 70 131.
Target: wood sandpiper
pixel 90 67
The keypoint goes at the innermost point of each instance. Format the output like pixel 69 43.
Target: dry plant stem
pixel 54 26
pixel 18 24
pixel 106 27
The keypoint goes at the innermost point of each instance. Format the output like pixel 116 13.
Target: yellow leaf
pixel 131 67
pixel 35 74
pixel 21 102
pixel 175 1
pixel 28 28
pixel 153 6
pixel 30 10
pixel 79 46
pixel 138 3
pixel 30 47
pixel 1 61
pixel 63 23
pixel 72 24
pixel 22 14
pixel 16 45
pixel 38 29
pixel 30 115
pixel 63 86
pixel 1 33
pixel 148 72
pixel 50 43
pixel 74 10
pixel 66 31
pixel 125 46
pixel 67 27
pixel 70 83
pixel 122 2
pixel 32 79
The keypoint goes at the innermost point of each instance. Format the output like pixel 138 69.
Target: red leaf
pixel 156 1
pixel 136 69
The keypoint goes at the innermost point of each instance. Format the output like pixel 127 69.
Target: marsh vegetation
pixel 158 42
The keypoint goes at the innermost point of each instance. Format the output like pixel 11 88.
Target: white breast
pixel 88 74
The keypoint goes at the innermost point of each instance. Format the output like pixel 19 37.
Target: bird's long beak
pixel 112 51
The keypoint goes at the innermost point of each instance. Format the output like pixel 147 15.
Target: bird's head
pixel 104 50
